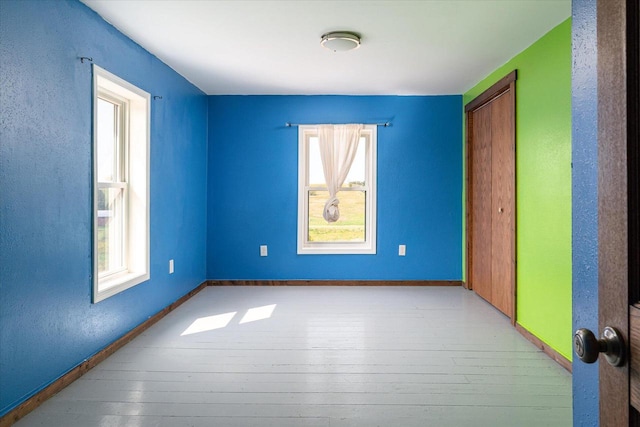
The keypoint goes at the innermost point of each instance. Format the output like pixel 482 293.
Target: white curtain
pixel 338 147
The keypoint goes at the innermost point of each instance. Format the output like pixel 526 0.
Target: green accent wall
pixel 543 184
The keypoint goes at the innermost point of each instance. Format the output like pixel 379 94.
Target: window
pixel 120 184
pixel 355 231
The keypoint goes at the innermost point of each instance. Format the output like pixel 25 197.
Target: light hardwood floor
pixel 326 356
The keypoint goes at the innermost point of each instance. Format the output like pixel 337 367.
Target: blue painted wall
pixel 585 203
pixel 253 187
pixel 48 324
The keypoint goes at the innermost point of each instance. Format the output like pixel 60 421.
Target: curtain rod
pixel 384 124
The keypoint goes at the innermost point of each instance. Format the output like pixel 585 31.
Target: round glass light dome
pixel 340 41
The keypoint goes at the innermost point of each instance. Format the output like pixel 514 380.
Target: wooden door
pixel 480 199
pixel 618 198
pixel 502 202
pixel 491 189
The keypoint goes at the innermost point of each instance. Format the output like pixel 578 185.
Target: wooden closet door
pixel 491 197
pixel 481 232
pixel 502 203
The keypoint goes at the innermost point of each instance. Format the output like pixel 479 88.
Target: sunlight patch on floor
pixel 219 321
pixel 209 323
pixel 258 313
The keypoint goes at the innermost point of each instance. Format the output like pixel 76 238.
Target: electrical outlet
pixel 170 266
pixel 402 250
pixel 263 250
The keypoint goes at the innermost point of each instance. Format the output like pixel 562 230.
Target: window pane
pixel 351 225
pixel 357 173
pixel 110 230
pixel 107 138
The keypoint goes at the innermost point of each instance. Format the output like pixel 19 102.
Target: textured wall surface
pixel 48 324
pixel 543 184
pixel 585 203
pixel 253 187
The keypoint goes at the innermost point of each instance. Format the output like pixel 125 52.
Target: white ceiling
pixel 420 47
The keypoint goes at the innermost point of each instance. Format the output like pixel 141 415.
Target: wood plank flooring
pixel 321 356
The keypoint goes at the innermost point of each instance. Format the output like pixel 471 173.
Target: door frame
pixel 507 83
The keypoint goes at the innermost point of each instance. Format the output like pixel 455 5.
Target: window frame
pixel 131 164
pixel 368 247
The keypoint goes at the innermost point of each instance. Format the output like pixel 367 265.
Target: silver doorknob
pixel 588 347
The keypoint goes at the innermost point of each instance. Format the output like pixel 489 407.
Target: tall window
pixel 354 232
pixel 121 184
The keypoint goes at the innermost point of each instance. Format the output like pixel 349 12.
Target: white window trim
pixel 137 203
pixel 312 248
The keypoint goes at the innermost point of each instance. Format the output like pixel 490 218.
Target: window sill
pixel 111 286
pixel 332 249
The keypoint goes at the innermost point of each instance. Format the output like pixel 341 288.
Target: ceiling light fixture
pixel 340 41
